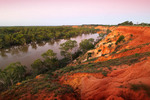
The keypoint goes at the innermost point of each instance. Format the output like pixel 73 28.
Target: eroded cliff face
pixel 136 40
pixel 124 82
pixel 118 84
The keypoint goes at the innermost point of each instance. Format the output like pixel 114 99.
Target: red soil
pixel 75 79
pixel 117 85
pixel 140 35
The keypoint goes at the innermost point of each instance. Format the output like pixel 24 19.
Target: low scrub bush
pixel 137 87
pixel 119 39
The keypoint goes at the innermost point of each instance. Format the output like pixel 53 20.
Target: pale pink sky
pixel 65 12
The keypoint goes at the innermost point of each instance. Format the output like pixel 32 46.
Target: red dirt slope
pixel 137 40
pixel 117 85
pixel 125 83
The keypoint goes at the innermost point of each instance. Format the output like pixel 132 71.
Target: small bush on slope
pixel 119 39
pixel 137 87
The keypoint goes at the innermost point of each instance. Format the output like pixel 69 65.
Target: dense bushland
pixel 10 36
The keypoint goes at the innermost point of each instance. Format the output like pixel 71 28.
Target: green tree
pixel 86 44
pixel 7 40
pixel 12 74
pixel 4 83
pixel 108 31
pixel 49 54
pixel 50 60
pixel 67 48
pixel 39 37
pixel 15 72
pixel 1 43
pixel 18 38
pixel 126 23
pixel 51 64
pixel 38 66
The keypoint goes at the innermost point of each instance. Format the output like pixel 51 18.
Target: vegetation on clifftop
pixel 130 23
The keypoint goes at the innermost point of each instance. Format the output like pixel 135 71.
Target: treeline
pixel 98 25
pixel 10 36
pixel 130 23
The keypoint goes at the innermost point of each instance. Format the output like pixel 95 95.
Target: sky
pixel 72 12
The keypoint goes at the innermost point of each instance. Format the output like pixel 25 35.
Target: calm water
pixel 27 54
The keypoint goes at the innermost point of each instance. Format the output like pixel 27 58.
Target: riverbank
pixel 28 53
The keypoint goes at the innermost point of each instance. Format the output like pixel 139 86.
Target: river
pixel 27 54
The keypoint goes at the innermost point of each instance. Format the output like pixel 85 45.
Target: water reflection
pixel 28 53
pixel 23 49
pixel 51 42
pixel 34 45
pixel 41 43
pixel 3 53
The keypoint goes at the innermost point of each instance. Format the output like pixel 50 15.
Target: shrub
pixel 108 31
pixel 114 52
pixel 124 50
pixel 136 55
pixel 99 50
pixel 109 67
pixel 104 43
pixel 63 90
pixel 104 73
pixel 103 54
pixel 37 66
pixel 119 39
pixel 134 60
pixel 101 35
pixel 87 44
pixel 137 87
pixel 89 54
pixel 109 46
pixel 126 23
pixel 34 91
pixel 13 73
